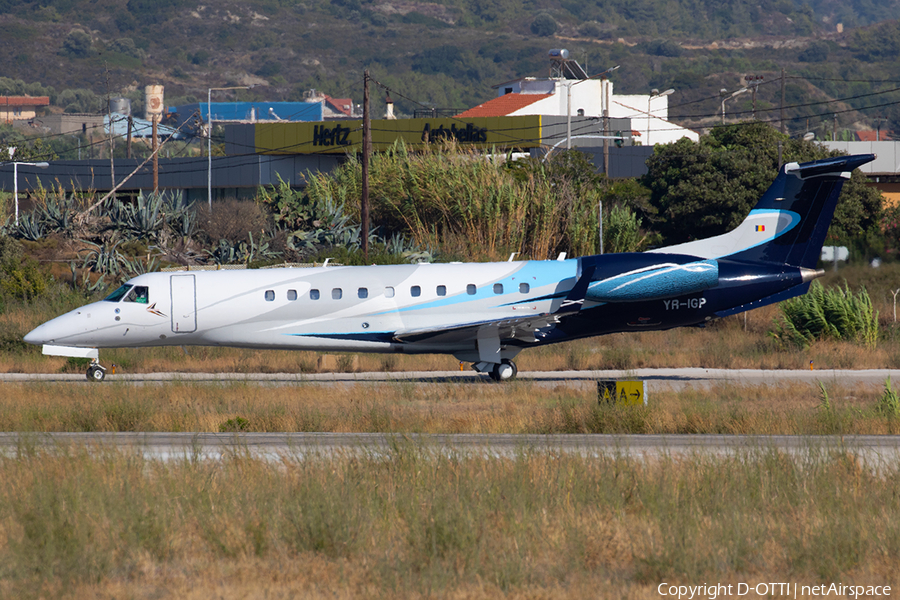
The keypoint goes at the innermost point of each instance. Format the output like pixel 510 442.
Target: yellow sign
pixel 627 393
pixel 330 137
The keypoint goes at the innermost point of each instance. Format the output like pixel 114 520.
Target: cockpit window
pixel 118 294
pixel 139 294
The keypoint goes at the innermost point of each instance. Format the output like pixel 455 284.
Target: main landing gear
pixel 502 371
pixel 96 372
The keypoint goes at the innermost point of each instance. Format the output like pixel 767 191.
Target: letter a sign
pixel 627 393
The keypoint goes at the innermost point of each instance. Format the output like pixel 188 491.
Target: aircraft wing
pixel 529 329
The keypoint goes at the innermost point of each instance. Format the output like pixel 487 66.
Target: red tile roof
pixel 869 135
pixel 502 105
pixel 24 100
pixel 341 105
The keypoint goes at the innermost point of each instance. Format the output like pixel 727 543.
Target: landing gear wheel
pixel 96 373
pixel 504 371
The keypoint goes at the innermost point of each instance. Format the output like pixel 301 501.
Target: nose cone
pixel 71 329
pixel 39 335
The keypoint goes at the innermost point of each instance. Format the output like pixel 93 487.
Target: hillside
pixel 448 54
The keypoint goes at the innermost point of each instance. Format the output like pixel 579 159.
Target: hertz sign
pixel 346 136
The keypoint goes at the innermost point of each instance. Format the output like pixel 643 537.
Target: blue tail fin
pixel 789 223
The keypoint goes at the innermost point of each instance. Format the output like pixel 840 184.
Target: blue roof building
pixel 249 111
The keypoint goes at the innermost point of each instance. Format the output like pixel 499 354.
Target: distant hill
pixel 448 54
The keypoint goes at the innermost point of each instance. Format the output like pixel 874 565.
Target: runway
pixel 674 379
pixel 874 449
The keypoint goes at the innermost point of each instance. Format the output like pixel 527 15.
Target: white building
pixel 584 97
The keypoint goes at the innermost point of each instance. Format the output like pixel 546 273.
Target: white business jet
pixel 482 313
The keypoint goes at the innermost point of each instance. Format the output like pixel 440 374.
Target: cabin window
pixel 292 295
pixel 313 294
pixel 337 294
pixel 118 294
pixel 442 290
pixel 524 288
pixel 415 291
pixel 270 295
pixel 362 292
pixel 388 292
pixel 139 294
pixel 498 288
pixel 471 289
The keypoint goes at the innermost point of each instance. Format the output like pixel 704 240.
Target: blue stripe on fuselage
pixel 535 273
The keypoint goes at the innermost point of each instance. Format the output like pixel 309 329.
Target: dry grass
pixel 519 407
pixel 421 524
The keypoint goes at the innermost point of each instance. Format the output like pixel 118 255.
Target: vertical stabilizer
pixel 789 223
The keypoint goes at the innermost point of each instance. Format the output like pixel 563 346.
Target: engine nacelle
pixel 650 277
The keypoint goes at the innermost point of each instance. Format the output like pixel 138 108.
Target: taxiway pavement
pixel 655 378
pixel 874 449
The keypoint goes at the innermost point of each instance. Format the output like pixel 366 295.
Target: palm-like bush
pixel 836 313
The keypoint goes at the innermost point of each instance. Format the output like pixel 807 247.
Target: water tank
pixel 153 101
pixel 121 106
pixel 559 53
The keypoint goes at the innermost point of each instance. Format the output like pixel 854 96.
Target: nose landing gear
pixel 96 372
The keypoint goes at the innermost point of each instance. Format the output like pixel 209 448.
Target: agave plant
pixel 57 211
pixel 141 219
pixel 229 253
pixel 399 245
pixel 133 267
pixel 103 258
pixel 84 282
pixel 29 228
pixel 180 216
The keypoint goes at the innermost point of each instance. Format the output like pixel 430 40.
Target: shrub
pixel 622 231
pixel 77 43
pixel 20 277
pixel 235 425
pixel 889 402
pixel 835 313
pixel 543 25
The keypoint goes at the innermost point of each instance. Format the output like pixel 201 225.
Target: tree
pixel 701 189
pixel 817 51
pixel 77 43
pixel 543 25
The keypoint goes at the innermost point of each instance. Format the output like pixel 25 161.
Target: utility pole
pixel 753 83
pixel 605 83
pixel 782 101
pixel 366 143
pixel 128 140
pixel 834 129
pixel 155 121
pixel 112 161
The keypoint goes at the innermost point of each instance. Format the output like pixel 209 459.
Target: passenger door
pixel 184 303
